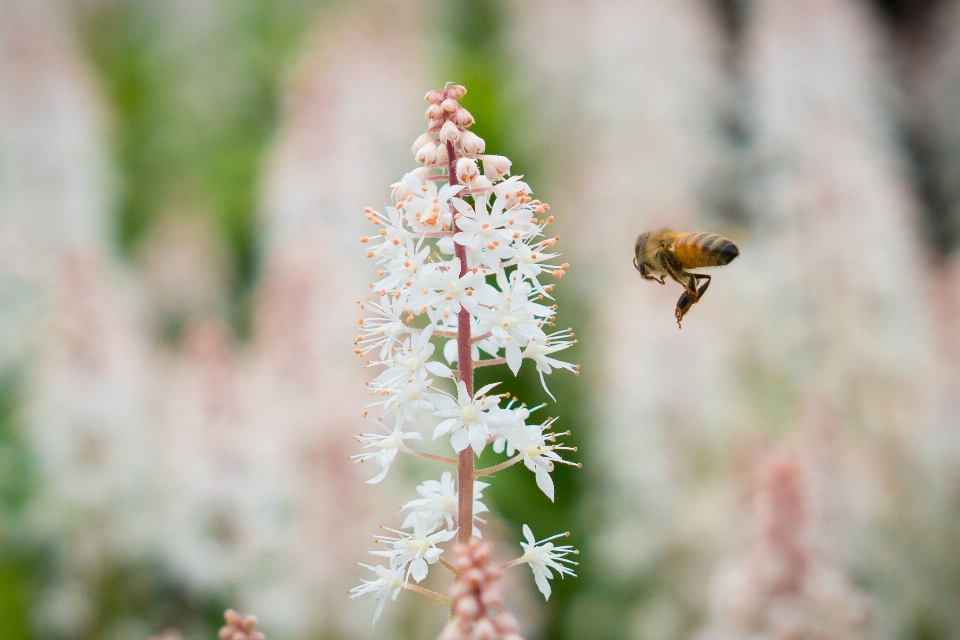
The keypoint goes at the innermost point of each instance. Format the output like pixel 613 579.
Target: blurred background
pixel 181 192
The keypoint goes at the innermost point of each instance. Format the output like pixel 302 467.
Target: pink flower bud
pixel 463 118
pixel 456 91
pixel 434 96
pixel 427 154
pixel 496 167
pixel 467 609
pixel 467 170
pixel 449 132
pixel 449 105
pixel 434 112
pixel 485 630
pixel 419 142
pixel 471 144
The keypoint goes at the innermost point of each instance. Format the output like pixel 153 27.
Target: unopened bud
pixel 434 112
pixel 467 171
pixel 449 105
pixel 463 118
pixel 427 154
pixel 471 144
pixel 456 91
pixel 419 142
pixel 434 96
pixel 449 132
pixel 496 167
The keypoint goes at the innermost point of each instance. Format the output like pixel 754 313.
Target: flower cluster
pixel 462 264
pixel 239 627
pixel 478 611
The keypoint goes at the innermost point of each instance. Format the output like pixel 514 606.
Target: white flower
pixel 514 319
pixel 531 442
pixel 540 351
pixel 485 234
pixel 384 328
pixel 451 291
pixel 428 210
pixel 543 556
pixel 438 504
pixel 385 447
pixel 512 189
pixel 405 380
pixel 402 271
pixel 467 419
pixel 416 550
pixel 387 585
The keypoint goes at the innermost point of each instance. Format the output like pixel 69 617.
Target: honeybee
pixel 670 253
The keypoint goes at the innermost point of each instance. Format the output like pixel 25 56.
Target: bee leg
pixel 683 305
pixel 703 288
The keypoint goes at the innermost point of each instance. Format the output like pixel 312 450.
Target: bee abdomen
pixel 704 250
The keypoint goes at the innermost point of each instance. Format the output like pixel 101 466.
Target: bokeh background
pixel 181 192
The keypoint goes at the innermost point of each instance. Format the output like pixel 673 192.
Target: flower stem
pixel 489 363
pixel 465 367
pixel 430 456
pixel 452 568
pixel 430 594
pixel 500 467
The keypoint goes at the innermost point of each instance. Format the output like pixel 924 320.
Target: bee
pixel 670 253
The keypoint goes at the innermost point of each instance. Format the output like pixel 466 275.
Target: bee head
pixel 640 250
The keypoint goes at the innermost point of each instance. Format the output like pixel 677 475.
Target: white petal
pixel 545 482
pixel 478 438
pixel 439 369
pixel 460 440
pixel 542 583
pixel 514 356
pixel 418 570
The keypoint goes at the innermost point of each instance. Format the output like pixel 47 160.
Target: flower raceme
pixel 462 259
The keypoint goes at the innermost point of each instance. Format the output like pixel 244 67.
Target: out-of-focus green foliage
pixel 195 100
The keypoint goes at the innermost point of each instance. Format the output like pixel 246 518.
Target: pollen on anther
pixel 364 239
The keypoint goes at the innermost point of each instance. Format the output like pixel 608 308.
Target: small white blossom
pixel 388 584
pixel 416 550
pixel 543 556
pixel 385 447
pixel 467 419
pixel 539 454
pixel 438 504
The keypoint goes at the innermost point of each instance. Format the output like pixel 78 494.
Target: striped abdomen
pixel 704 250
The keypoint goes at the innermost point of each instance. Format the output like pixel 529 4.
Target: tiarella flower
pixel 384 328
pixel 385 447
pixel 467 419
pixel 438 504
pixel 436 249
pixel 391 239
pixel 388 584
pixel 543 556
pixel 540 351
pixel 428 209
pixel 514 319
pixel 402 271
pixel 451 292
pixel 513 190
pixel 509 419
pixel 416 550
pixel 485 234
pixel 537 451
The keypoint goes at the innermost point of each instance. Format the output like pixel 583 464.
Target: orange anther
pixel 369 254
pixel 364 239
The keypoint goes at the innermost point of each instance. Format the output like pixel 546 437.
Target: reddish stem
pixel 465 368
